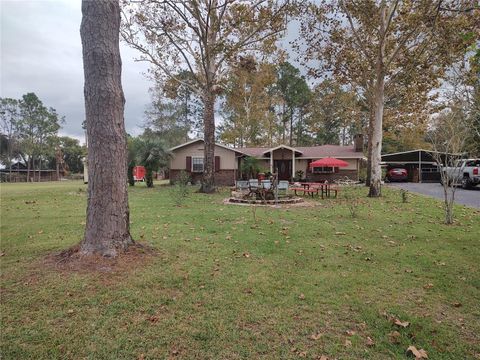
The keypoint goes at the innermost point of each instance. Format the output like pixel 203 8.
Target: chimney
pixel 358 142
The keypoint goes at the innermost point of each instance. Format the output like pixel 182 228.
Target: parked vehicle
pixel 466 173
pixel 139 173
pixel 397 174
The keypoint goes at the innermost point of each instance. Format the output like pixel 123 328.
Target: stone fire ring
pixel 293 200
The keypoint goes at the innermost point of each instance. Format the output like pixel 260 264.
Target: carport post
pixel 420 166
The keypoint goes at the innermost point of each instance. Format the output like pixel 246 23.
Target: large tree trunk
pixel 107 229
pixel 377 130
pixel 371 124
pixel 208 179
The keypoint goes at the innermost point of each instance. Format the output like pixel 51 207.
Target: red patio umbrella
pixel 328 162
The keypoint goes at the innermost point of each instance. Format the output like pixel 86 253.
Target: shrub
pixel 180 189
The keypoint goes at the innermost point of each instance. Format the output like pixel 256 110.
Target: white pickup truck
pixel 466 172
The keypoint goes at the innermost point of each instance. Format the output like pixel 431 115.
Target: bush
pixel 180 188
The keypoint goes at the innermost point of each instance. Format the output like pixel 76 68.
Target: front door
pixel 284 168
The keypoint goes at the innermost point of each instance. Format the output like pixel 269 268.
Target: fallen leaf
pixel 302 354
pixel 316 336
pixel 246 254
pixel 340 233
pixel 409 271
pixel 351 332
pixel 70 311
pixel 419 354
pixel 456 304
pixel 394 337
pixel 323 357
pixel 141 357
pixel 369 342
pixel 428 286
pixel 400 323
pixel 301 297
pixel 2 254
pixel 347 343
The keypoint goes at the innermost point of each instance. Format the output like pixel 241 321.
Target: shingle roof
pixel 310 152
pixel 303 152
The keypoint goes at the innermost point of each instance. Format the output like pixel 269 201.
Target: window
pixel 197 164
pixel 323 170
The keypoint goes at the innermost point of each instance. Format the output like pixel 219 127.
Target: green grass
pixel 226 287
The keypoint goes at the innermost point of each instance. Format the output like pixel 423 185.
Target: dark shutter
pixel 336 169
pixel 217 163
pixel 188 164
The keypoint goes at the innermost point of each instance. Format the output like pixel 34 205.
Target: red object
pixel 475 171
pixel 397 174
pixel 139 173
pixel 328 162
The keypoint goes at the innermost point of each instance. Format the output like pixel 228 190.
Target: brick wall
pixel 222 177
pixel 351 174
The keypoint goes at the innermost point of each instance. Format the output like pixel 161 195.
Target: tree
pixel 295 95
pixel 71 153
pixel 107 227
pixel 175 112
pixel 448 140
pixel 151 153
pixel 9 119
pixel 374 44
pixel 202 38
pixel 247 103
pixel 334 114
pixel 36 127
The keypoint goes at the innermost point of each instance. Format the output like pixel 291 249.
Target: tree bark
pixel 208 179
pixel 371 124
pixel 107 228
pixel 377 130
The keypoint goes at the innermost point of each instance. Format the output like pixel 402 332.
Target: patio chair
pixel 253 184
pixel 266 184
pixel 241 185
pixel 282 187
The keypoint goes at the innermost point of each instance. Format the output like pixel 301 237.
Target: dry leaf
pixel 340 233
pixel 323 357
pixel 428 286
pixel 302 354
pixel 419 354
pixel 369 341
pixel 301 297
pixel 403 324
pixel 141 357
pixel 70 311
pixel 394 337
pixel 351 332
pixel 457 304
pixel 246 254
pixel 348 343
pixel 316 336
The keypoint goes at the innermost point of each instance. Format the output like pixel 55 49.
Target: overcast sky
pixel 41 52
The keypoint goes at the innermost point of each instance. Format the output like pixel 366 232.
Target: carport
pixel 420 164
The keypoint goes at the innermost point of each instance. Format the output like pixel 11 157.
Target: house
pixel 285 160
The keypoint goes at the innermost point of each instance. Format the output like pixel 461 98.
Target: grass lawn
pixel 236 282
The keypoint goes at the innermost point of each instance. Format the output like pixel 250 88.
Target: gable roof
pixel 305 152
pixel 201 140
pixel 309 152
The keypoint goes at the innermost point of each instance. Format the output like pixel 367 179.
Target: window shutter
pixel 336 169
pixel 217 163
pixel 188 165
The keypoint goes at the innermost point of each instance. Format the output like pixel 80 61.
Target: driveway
pixel 464 197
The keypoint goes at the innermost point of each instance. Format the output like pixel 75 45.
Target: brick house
pixel 284 159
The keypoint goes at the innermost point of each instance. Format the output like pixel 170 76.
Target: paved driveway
pixel 464 197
